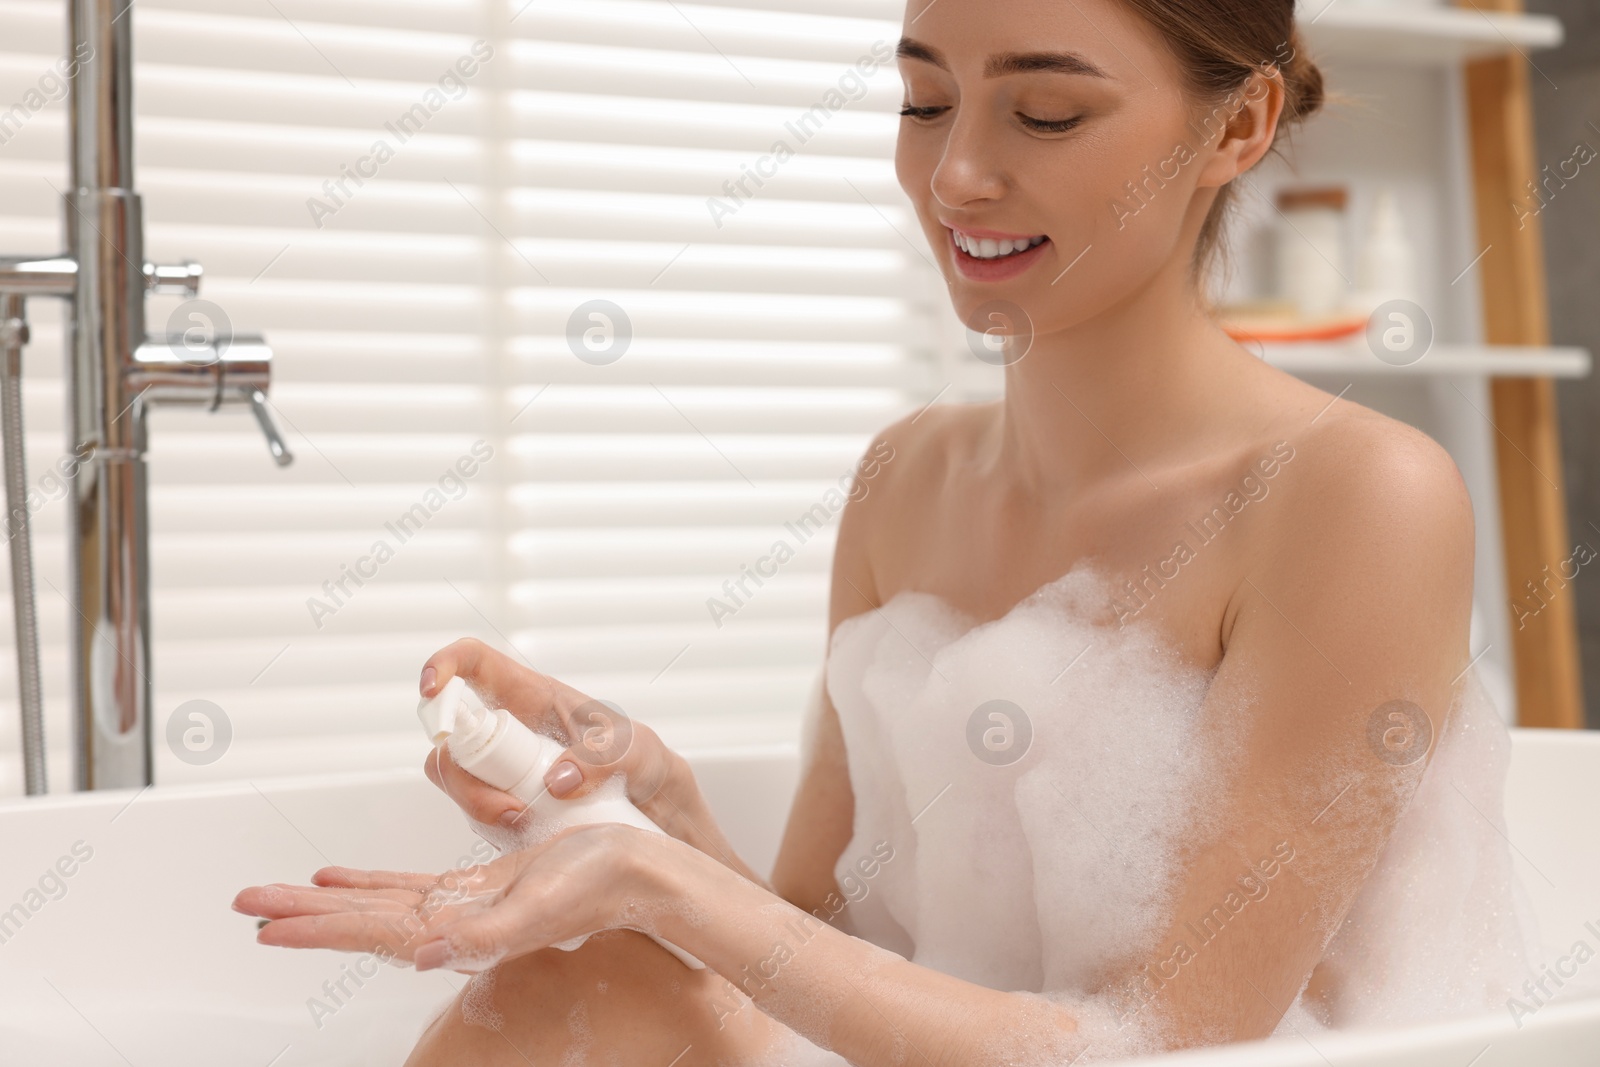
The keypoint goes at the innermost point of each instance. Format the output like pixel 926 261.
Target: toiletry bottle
pixel 1388 267
pixel 495 747
pixel 1311 250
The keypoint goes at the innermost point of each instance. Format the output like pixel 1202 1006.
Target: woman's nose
pixel 970 167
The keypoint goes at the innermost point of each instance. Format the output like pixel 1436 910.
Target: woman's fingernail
pixel 433 954
pixel 511 817
pixel 563 778
pixel 428 675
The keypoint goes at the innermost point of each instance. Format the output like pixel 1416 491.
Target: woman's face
pixel 1056 124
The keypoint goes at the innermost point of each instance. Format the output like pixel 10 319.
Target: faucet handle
pixel 180 278
pixel 258 404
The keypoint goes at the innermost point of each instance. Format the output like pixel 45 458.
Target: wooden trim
pixel 1533 507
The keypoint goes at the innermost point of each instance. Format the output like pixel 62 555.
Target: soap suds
pixel 472 959
pixel 1442 927
pixel 1057 871
pixel 477 1002
pixel 535 827
pixel 1003 872
pixel 577 1053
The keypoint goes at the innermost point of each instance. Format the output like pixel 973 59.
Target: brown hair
pixel 1220 44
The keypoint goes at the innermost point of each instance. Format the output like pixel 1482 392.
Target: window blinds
pixel 580 308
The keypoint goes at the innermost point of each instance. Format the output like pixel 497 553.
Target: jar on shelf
pixel 1311 250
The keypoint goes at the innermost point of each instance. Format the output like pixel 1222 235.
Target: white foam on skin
pixel 1100 807
pixel 477 1002
pixel 582 1035
pixel 1447 882
pixel 472 958
pixel 1053 874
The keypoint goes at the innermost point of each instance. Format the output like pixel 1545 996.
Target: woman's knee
pixel 619 995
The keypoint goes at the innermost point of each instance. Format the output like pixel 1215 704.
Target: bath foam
pixel 1443 927
pixel 477 1002
pixel 577 1053
pixel 980 847
pixel 471 959
pixel 1046 874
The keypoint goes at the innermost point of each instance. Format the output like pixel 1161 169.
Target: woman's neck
pixel 1112 396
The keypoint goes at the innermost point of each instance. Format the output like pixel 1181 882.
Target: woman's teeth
pixel 988 248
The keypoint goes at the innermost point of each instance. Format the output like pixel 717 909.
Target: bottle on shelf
pixel 1388 263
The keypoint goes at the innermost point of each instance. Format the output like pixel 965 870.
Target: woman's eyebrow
pixel 1008 62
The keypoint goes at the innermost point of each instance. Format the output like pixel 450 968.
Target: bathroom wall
pixel 1566 93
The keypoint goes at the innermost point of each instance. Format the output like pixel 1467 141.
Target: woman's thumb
pixel 564 777
pixel 602 737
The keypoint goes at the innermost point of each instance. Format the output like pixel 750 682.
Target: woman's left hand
pixel 581 881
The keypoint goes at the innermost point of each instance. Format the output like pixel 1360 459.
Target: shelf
pixel 974 381
pixel 1445 360
pixel 1444 36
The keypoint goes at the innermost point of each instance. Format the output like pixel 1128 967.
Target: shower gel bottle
pixel 493 746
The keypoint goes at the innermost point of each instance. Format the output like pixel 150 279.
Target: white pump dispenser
pixel 496 748
pixel 1388 266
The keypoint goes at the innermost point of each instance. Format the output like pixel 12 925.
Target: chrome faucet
pixel 116 371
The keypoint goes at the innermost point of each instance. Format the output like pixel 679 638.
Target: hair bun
pixel 1302 81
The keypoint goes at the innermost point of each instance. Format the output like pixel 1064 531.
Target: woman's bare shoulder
pixel 1372 493
pixel 900 476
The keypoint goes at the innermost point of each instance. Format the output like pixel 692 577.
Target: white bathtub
pixel 140 960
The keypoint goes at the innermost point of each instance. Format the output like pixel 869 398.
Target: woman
pixel 1174 628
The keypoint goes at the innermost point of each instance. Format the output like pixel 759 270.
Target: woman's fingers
pixel 430 766
pixel 481 801
pixel 282 901
pixel 494 676
pixel 466 919
pixel 603 741
pixel 353 878
pixel 463 657
pixel 395 933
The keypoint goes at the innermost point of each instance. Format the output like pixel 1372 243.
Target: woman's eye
pixel 921 112
pixel 1049 125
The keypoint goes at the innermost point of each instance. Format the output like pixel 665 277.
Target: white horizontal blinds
pixel 32 171
pixel 766 348
pixel 429 310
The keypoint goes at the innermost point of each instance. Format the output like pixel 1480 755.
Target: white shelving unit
pixel 1481 361
pixel 1442 37
pixel 1400 120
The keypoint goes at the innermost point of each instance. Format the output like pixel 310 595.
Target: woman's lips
pixel 1001 269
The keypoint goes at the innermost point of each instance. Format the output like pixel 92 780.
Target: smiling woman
pixel 1094 835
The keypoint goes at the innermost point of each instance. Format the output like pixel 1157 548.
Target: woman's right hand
pixel 602 742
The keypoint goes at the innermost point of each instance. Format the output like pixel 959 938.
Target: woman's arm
pixel 822 817
pixel 1344 640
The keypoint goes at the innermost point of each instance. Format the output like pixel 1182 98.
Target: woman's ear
pixel 1253 112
